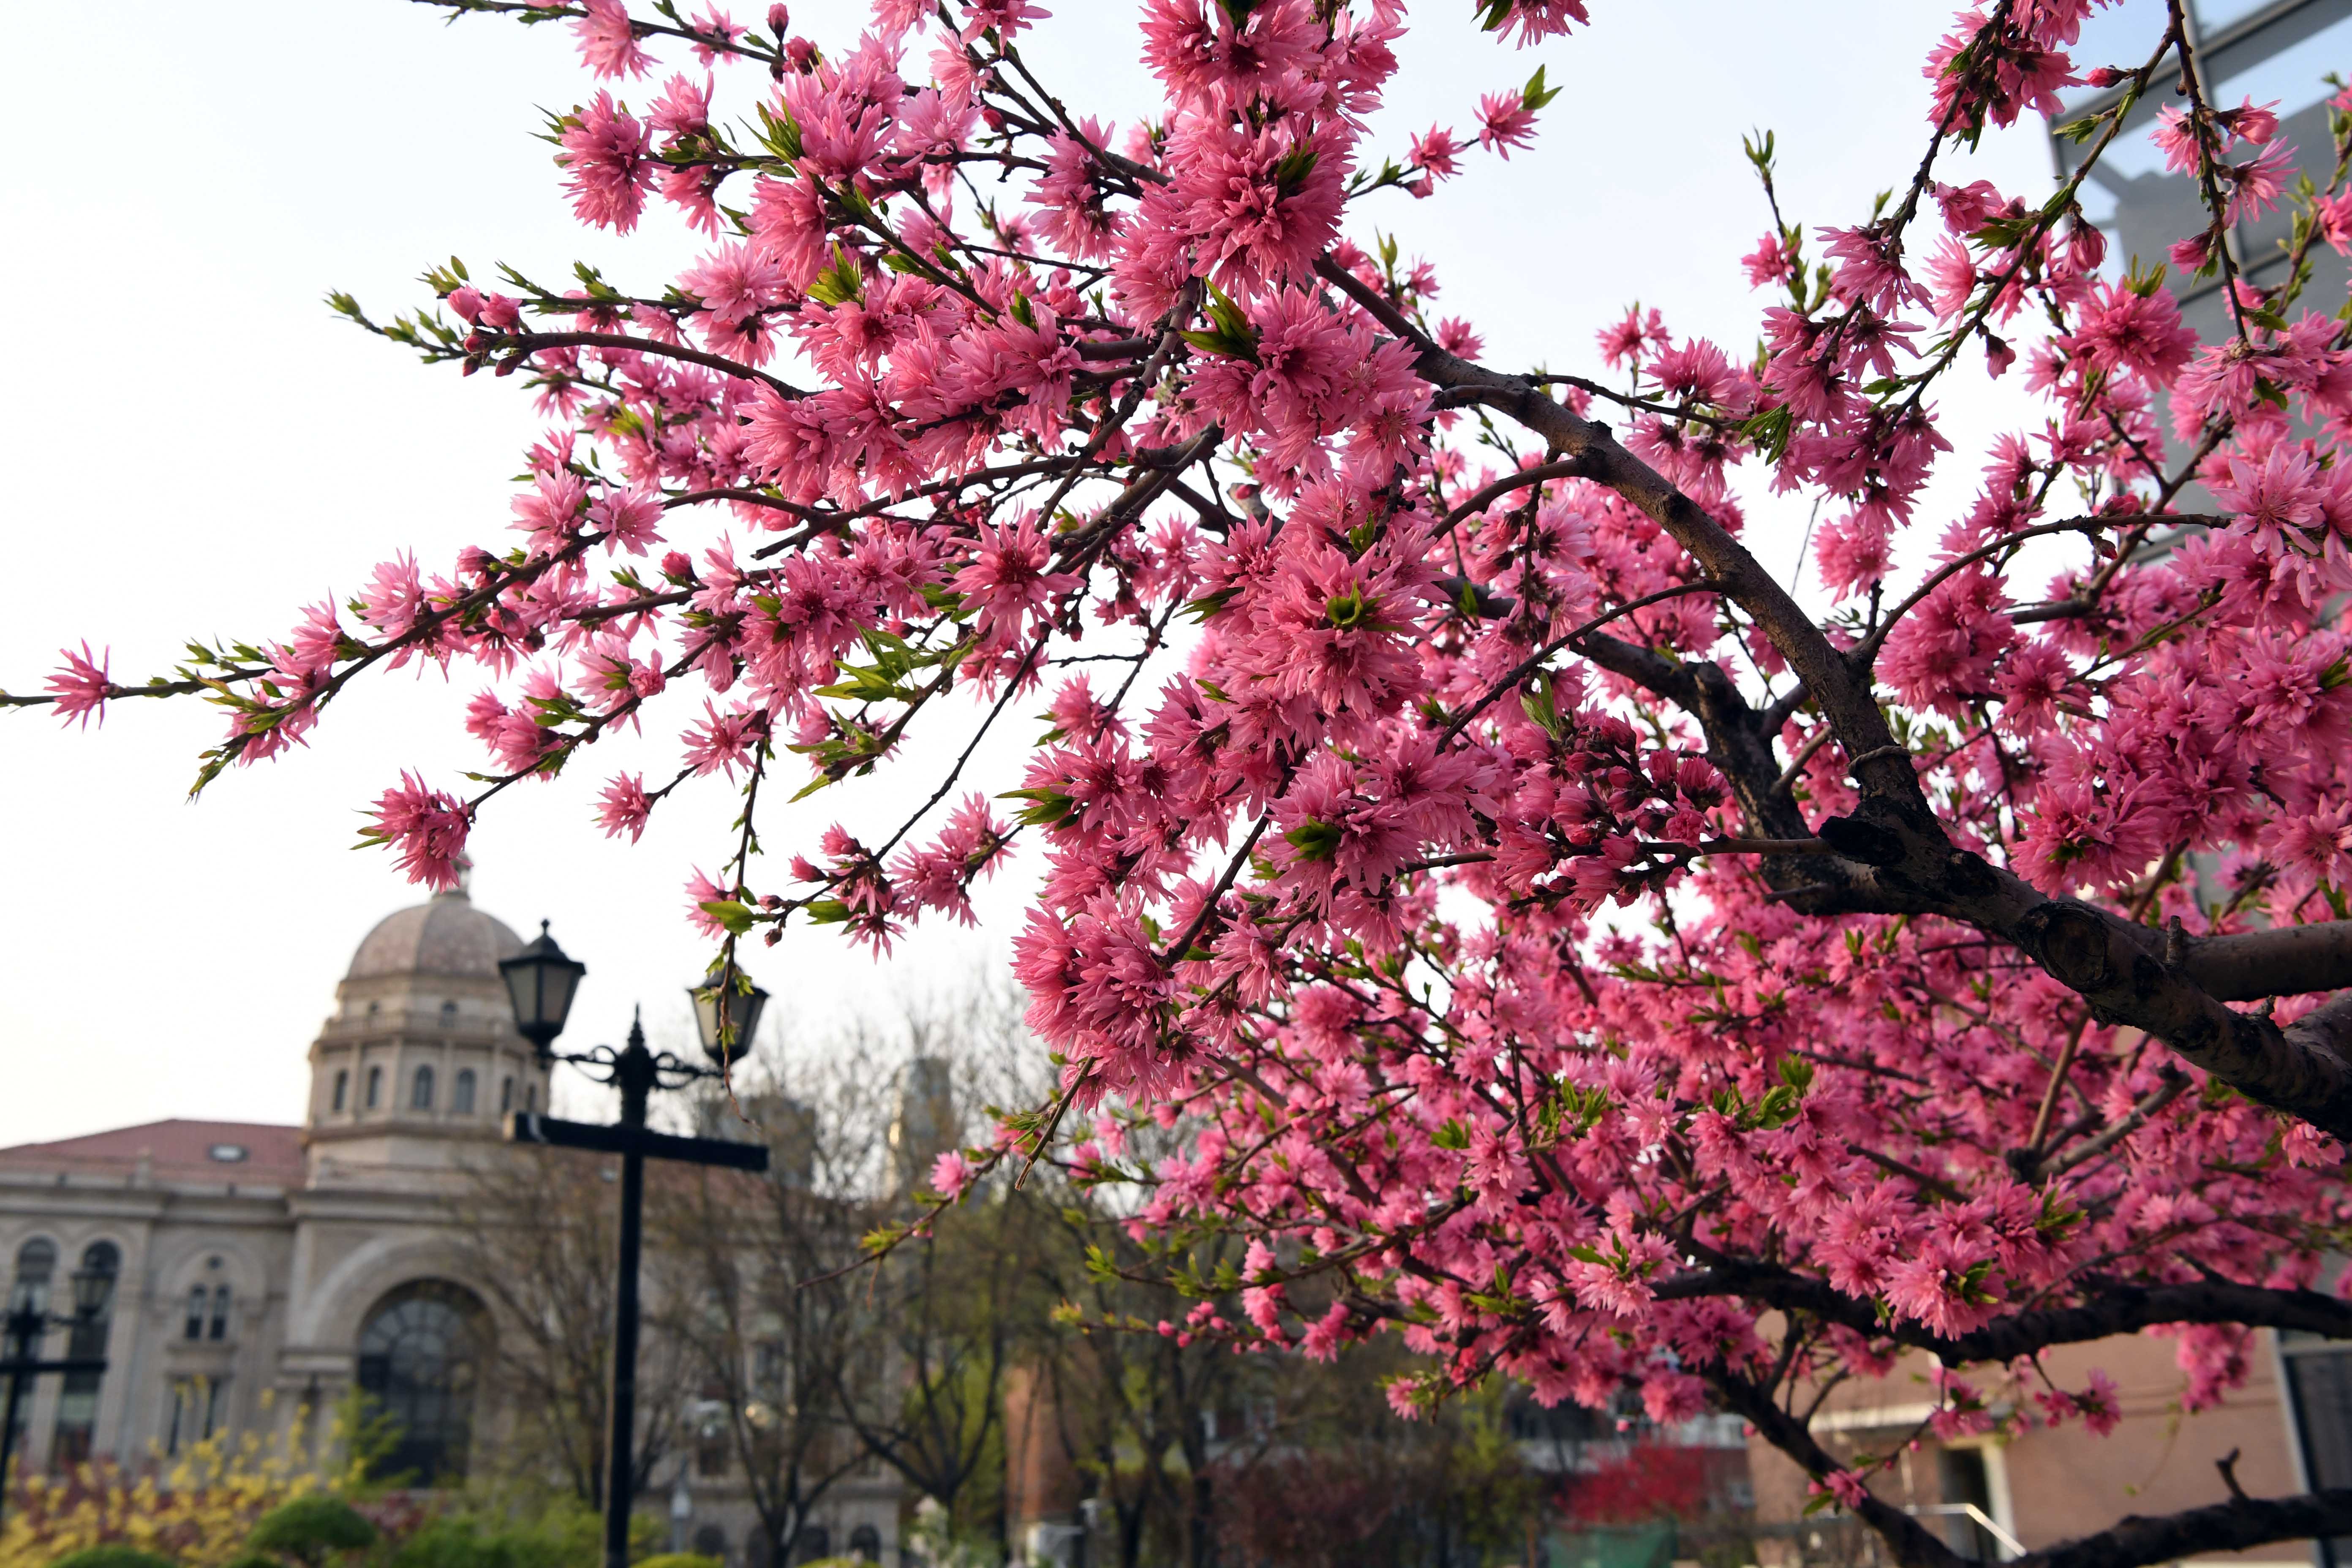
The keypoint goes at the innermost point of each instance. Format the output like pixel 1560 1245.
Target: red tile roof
pixel 175 1151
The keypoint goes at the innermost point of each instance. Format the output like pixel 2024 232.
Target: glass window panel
pixel 418 1353
pixel 2319 1389
pixel 2213 16
pixel 2292 77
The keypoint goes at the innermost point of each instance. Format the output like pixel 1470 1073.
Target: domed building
pixel 420 1053
pixel 261 1273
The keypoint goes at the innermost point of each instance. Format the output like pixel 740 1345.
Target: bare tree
pixel 533 1230
pixel 768 1338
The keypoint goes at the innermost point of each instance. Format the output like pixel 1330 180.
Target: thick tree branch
pixel 1912 1543
pixel 1902 859
pixel 2138 1541
pixel 1844 699
pixel 2285 961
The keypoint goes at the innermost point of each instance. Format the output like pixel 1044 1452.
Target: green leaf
pixel 1315 841
pixel 1539 704
pixel 1290 171
pixel 736 918
pixel 840 282
pixel 1046 807
pixel 1208 605
pixel 780 134
pixel 1535 95
pixel 1450 1134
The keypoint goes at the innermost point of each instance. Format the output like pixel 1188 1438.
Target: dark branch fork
pixel 1895 857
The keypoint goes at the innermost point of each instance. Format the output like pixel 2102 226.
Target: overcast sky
pixel 192 446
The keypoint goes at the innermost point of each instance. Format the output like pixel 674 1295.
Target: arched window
pixel 866 1544
pixel 421 1097
pixel 219 1330
pixel 343 1089
pixel 815 1542
pixel 198 1298
pixel 531 1097
pixel 461 1093
pixel 375 1087
pixel 77 1401
pixel 35 1262
pixel 506 1095
pixel 710 1540
pixel 419 1353
pixel 448 1014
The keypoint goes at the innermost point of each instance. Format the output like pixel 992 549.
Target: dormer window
pixel 227 1154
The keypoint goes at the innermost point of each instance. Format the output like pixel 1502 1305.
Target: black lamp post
pixel 540 982
pixel 728 1018
pixel 21 1333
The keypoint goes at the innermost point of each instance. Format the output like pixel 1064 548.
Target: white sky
pixel 193 445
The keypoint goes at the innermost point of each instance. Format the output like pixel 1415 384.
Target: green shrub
pixel 680 1560
pixel 310 1529
pixel 565 1535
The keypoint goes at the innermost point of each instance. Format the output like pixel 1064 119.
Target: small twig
pixel 2228 1465
pixel 1814 742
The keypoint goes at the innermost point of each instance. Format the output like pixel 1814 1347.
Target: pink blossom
pixel 951 1174
pixel 607 43
pixel 607 154
pixel 424 828
pixel 83 686
pixel 1504 122
pixel 623 806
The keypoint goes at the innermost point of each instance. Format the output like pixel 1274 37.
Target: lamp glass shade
pixel 743 1009
pixel 92 1289
pixel 540 982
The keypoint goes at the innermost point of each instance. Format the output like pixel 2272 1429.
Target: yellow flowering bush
pixel 197 1508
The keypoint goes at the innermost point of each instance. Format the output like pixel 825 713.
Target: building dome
pixel 444 936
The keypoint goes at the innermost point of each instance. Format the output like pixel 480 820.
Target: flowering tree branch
pixel 1922 1019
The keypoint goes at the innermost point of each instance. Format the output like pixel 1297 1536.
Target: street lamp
pixel 540 982
pixel 727 1017
pixel 28 1323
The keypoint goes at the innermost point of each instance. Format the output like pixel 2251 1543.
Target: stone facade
pixel 261 1271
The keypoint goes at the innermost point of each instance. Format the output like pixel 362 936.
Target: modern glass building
pixel 2277 51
